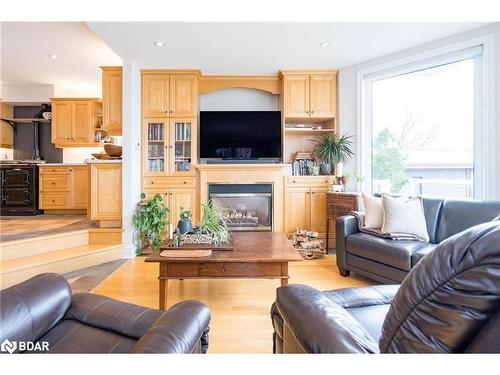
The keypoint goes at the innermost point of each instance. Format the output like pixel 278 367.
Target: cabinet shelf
pixel 308 130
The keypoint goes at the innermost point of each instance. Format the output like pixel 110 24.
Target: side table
pixel 339 204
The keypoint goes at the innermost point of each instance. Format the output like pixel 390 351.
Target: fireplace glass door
pixel 247 207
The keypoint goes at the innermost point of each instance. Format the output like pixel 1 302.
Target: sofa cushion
pixel 71 336
pixel 404 216
pixel 432 209
pixel 393 253
pixel 459 215
pixel 420 253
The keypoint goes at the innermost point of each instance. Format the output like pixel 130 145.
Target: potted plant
pixel 213 224
pixel 184 223
pixel 150 220
pixel 332 148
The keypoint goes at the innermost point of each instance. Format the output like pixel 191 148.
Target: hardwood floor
pixel 240 307
pixel 23 227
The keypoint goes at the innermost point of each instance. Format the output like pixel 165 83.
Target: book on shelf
pixel 302 167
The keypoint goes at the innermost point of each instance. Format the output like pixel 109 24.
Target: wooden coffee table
pixel 263 255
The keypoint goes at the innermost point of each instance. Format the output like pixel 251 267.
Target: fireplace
pixel 247 207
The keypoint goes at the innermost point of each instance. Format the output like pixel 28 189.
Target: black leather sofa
pixel 389 261
pixel 42 310
pixel 448 303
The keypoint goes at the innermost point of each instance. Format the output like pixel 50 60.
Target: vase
pixel 326 168
pixel 184 226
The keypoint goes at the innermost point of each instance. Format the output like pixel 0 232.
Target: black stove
pixel 19 187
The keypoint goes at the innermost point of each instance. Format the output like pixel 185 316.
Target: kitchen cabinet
pixel 64 187
pixel 169 95
pixel 112 99
pixel 105 186
pixel 6 131
pixel 309 95
pixel 169 146
pixel 305 203
pixel 74 121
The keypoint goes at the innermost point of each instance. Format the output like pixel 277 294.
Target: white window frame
pixel 484 173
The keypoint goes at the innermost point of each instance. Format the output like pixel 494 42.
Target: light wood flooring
pixel 240 307
pixel 22 227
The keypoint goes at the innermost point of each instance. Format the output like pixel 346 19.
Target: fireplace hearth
pixel 247 207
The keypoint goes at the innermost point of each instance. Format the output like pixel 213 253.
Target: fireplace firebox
pixel 247 207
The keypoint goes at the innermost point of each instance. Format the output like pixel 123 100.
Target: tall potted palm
pixel 331 149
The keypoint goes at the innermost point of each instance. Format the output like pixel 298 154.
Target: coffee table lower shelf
pixel 172 270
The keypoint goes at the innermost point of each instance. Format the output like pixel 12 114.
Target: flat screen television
pixel 241 135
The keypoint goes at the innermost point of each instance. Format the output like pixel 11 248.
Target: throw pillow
pixel 374 215
pixel 404 216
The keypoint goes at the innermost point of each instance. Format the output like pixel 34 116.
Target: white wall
pixel 25 94
pixel 131 159
pixel 348 94
pixel 239 99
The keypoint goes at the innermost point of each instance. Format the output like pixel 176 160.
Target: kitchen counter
pixel 97 161
pixel 61 164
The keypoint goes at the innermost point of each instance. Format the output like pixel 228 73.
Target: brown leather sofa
pixel 448 303
pixel 42 310
pixel 388 261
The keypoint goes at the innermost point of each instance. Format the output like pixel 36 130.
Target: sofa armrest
pixel 363 297
pixel 106 313
pixel 320 325
pixel 182 329
pixel 344 227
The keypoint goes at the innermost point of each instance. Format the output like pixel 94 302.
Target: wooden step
pixel 43 244
pixel 13 271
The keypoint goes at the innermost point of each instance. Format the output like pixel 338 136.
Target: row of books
pixel 156 165
pixel 302 167
pixel 182 131
pixel 155 132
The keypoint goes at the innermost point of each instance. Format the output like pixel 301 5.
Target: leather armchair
pixel 389 261
pixel 448 303
pixel 42 309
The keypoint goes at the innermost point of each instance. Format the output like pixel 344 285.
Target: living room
pixel 179 186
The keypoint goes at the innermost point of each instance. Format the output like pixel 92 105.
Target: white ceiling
pixel 265 47
pixel 25 47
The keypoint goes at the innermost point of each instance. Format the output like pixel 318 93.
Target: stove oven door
pixel 17 187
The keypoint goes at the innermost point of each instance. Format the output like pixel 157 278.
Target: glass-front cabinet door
pixel 156 146
pixel 183 152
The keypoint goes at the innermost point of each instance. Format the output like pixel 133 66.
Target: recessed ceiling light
pixel 324 44
pixel 159 43
pixel 53 57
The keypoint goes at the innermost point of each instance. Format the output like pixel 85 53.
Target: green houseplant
pixel 332 148
pixel 150 220
pixel 214 223
pixel 184 223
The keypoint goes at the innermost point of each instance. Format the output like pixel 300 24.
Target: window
pixel 422 126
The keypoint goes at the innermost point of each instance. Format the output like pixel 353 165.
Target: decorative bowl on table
pixel 113 150
pixel 101 156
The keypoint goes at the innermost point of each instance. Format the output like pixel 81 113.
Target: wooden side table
pixel 339 204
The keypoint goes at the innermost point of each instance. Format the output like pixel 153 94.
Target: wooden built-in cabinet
pixel 309 95
pixel 74 121
pixel 64 187
pixel 305 203
pixel 176 192
pixel 169 95
pixel 112 99
pixel 6 130
pixel 105 187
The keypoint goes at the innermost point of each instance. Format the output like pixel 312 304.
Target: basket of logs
pixel 307 244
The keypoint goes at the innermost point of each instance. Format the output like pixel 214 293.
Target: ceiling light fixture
pixel 53 57
pixel 159 43
pixel 324 44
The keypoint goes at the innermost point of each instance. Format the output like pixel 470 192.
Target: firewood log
pixel 311 244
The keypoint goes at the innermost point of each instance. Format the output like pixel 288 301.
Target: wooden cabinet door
pixel 112 100
pixel 296 95
pixel 62 121
pixel 155 99
pixel 106 192
pixel 182 146
pixel 79 189
pixel 6 131
pixel 183 96
pixel 82 125
pixel 323 97
pixel 297 209
pixel 156 147
pixel 185 198
pixel 318 210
